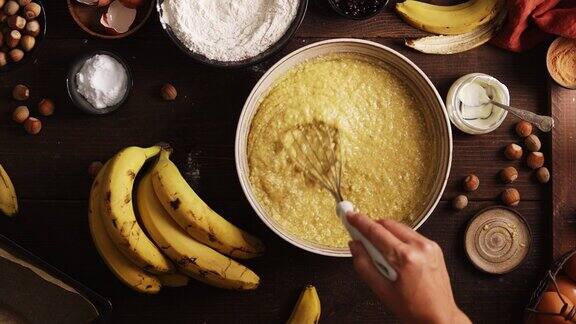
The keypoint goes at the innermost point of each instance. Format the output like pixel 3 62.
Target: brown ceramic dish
pixel 88 18
pixel 561 60
pixel 497 240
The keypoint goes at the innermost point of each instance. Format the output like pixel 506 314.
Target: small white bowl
pixel 437 121
pixel 453 103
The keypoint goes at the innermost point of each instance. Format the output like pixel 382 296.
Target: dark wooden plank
pixel 562 106
pixel 203 119
pixel 58 232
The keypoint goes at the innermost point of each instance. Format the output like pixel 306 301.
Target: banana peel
pixel 452 44
pixel 449 20
pixel 8 198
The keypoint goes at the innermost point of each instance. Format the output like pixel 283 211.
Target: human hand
pixel 422 292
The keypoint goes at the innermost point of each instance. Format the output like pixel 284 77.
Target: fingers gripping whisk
pixel 316 149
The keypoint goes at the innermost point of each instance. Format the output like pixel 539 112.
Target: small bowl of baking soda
pixel 99 82
pixel 231 33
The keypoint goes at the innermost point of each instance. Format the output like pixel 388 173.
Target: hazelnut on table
pixel 510 197
pixel 513 152
pixel 33 125
pixel 20 92
pixel 46 107
pixel 535 160
pixel 471 183
pixel 532 143
pixel 509 174
pixel 20 114
pixel 168 92
pixel 460 202
pixel 523 128
pixel 543 175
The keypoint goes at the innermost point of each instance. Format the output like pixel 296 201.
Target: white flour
pixel 229 30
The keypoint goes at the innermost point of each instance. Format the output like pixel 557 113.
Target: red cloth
pixel 531 21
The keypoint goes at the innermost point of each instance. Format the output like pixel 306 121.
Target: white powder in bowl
pixel 102 81
pixel 229 30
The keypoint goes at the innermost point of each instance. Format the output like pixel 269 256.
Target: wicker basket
pixel 550 277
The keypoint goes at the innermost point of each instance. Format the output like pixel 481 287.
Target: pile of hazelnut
pixel 21 114
pixel 513 152
pixel 19 28
pixel 534 160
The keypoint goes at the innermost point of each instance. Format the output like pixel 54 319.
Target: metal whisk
pixel 317 151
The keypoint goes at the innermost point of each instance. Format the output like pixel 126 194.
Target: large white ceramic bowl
pixel 435 113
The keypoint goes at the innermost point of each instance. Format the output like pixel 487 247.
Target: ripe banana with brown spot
pixel 307 310
pixel 192 257
pixel 118 212
pixel 451 44
pixel 8 199
pixel 449 20
pixel 126 271
pixel 199 220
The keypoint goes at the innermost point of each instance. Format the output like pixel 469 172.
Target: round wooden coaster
pixel 497 240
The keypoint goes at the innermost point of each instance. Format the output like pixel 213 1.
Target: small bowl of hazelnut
pixel 22 30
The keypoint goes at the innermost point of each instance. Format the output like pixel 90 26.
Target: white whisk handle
pixel 342 208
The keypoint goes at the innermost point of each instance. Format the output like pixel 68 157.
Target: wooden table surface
pixel 50 173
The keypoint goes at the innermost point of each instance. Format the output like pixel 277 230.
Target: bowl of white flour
pixel 231 33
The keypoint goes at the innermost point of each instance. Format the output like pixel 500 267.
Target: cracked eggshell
pixel 118 17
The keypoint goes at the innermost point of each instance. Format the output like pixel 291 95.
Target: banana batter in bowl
pixel 387 151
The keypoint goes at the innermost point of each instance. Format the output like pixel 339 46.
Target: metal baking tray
pixel 32 291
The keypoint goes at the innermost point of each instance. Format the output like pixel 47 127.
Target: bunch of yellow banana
pixel 307 309
pixel 8 200
pixel 146 264
pixel 468 25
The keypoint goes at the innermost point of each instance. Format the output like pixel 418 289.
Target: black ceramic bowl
pixel 31 56
pixel 343 13
pixel 78 100
pixel 243 63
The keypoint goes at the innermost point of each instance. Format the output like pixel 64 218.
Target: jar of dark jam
pixel 357 9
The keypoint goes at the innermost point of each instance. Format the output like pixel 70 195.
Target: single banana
pixel 129 273
pixel 173 279
pixel 194 216
pixel 452 44
pixel 449 20
pixel 307 310
pixel 118 212
pixel 192 257
pixel 8 199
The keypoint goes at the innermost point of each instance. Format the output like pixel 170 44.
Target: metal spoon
pixel 544 123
